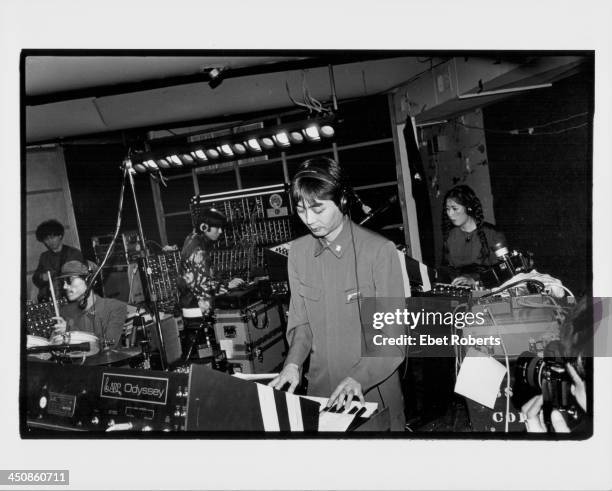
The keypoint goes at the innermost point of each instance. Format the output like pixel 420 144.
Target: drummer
pixel 86 311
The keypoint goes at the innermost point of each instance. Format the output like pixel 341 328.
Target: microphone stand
pixel 152 300
pixel 379 210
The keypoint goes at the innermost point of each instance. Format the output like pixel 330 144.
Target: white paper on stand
pixel 480 377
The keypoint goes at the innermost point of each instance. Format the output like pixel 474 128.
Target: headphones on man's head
pixel 211 217
pixel 310 169
pixel 88 281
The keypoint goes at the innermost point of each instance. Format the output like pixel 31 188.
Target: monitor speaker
pixel 123 283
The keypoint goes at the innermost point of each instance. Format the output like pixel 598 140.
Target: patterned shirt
pixel 197 274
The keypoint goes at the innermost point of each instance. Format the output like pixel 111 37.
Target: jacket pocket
pixel 363 291
pixel 314 305
pixel 309 292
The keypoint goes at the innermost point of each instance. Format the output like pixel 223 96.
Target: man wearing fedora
pixel 86 311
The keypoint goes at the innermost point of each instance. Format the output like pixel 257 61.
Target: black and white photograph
pixel 390 250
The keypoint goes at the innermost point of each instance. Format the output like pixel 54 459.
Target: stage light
pixel 327 131
pixel 199 154
pixel 312 133
pixel 187 159
pixel 254 145
pixel 262 140
pixel 175 161
pixel 216 77
pixel 267 142
pixel 282 139
pixel 239 148
pixel 226 150
pixel 296 137
pixel 212 153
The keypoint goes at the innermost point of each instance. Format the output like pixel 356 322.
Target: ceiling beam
pixel 204 76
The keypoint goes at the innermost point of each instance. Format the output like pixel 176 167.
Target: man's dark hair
pixel 48 229
pixel 321 178
pixel 212 218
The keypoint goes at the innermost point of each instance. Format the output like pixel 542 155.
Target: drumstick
pixel 53 294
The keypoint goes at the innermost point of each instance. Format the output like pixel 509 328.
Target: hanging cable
pixel 564 130
pixel 560 120
pixel 530 130
pixel 111 246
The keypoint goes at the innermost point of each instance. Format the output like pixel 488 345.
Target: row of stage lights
pixel 248 145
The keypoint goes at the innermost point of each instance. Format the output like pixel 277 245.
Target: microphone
pixel 365 208
pixel 386 205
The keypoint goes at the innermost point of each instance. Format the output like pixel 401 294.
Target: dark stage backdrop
pixel 94 175
pixel 542 185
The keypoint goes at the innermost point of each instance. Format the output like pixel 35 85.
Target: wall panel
pixel 47 196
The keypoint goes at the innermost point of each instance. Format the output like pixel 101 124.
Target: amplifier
pixel 101 244
pixel 242 331
pixel 123 283
pixel 266 357
pixel 102 399
pixel 123 252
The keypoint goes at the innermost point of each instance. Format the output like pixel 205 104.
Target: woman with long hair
pixel 468 239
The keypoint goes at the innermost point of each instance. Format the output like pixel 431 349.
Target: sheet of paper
pixel 479 378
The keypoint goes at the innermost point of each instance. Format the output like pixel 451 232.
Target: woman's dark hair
pixel 48 229
pixel 317 179
pixel 465 196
